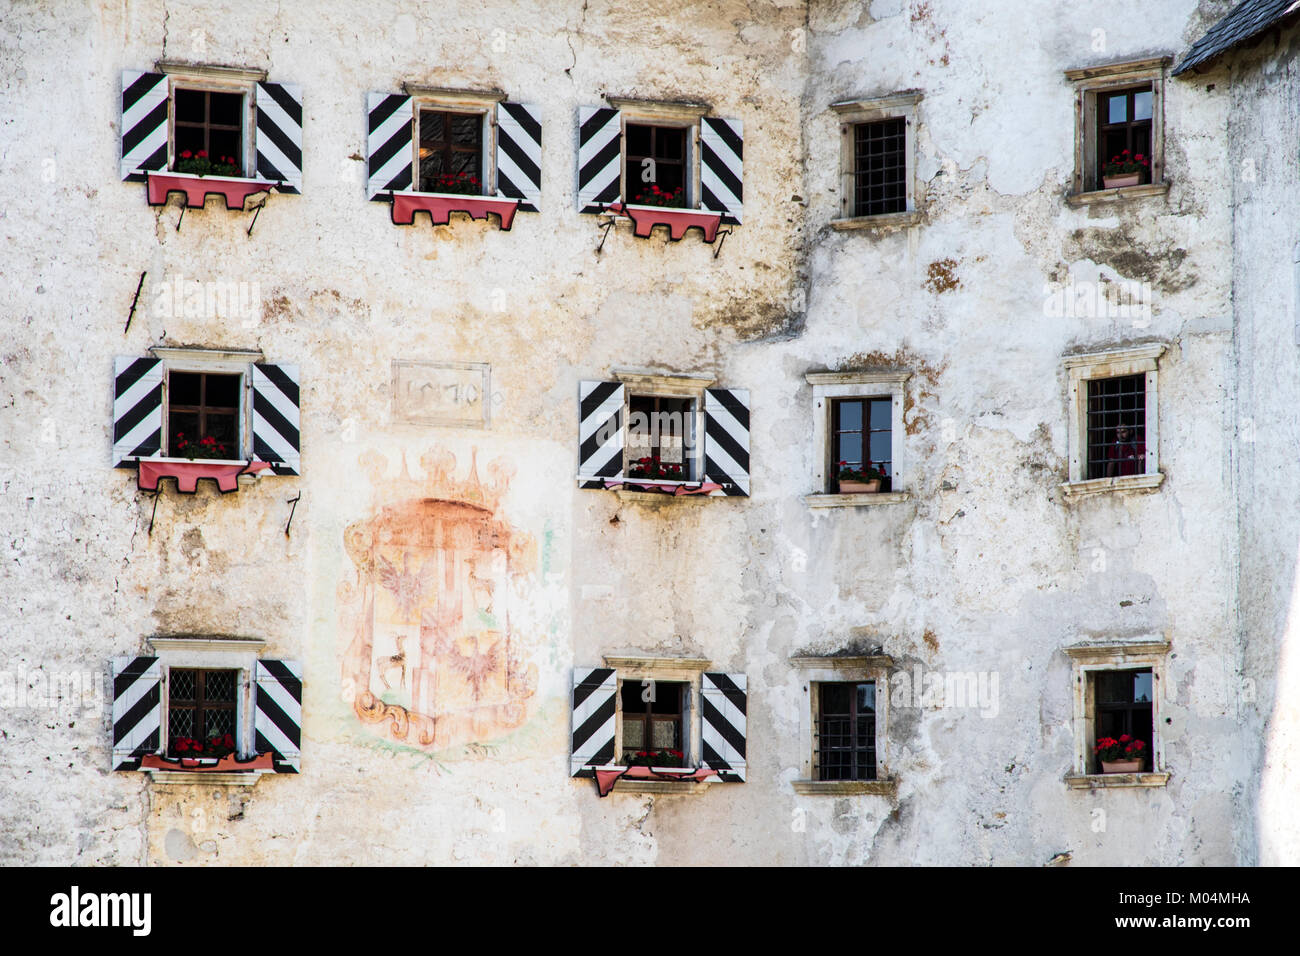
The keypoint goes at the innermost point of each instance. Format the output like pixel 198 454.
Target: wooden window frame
pixel 647 717
pixel 640 384
pixel 481 103
pixel 864 433
pixel 686 116
pixel 818 770
pixel 689 134
pixel 1088 83
pixel 203 409
pixel 218 362
pixel 200 703
pixel 485 132
pixel 904 105
pixel 205 84
pixel 686 671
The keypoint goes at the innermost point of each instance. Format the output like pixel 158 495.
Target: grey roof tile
pixel 1246 20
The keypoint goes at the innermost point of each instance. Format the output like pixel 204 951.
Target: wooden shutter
pixel 600 160
pixel 137 409
pixel 726 439
pixel 276 417
pixel 519 154
pixel 145 102
pixel 594 689
pixel 722 167
pixel 600 433
pixel 279 135
pixel 723 725
pixel 388 144
pixel 277 718
pixel 137 710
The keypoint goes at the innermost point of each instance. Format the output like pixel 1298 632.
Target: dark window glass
pixel 862 433
pixel 656 158
pixel 1117 426
pixel 880 167
pixel 1123 701
pixel 654 724
pixel 846 731
pixel 1123 123
pixel 451 152
pixel 200 705
pixel 202 405
pixel 211 122
pixel 661 428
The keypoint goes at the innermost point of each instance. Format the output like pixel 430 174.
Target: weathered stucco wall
pixel 986 569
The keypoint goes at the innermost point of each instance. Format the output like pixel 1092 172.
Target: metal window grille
pixel 1117 433
pixel 200 704
pixel 880 167
pixel 846 731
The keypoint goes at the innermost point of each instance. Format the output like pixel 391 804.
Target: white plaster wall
pixel 987 568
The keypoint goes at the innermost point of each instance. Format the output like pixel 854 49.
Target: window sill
pixel 857 500
pixel 185 778
pixel 196 189
pixel 889 220
pixel 1119 193
pixel 1079 489
pixel 440 206
pixel 887 787
pixel 678 221
pixel 1097 781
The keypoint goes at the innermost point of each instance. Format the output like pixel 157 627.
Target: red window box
pixel 226 764
pixel 197 188
pixel 440 206
pixel 188 472
pixel 645 218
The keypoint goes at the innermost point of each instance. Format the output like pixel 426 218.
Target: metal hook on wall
pixel 134 301
pixel 294 503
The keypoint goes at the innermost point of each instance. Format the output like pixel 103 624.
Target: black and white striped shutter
pixel 137 409
pixel 726 439
pixel 276 417
pixel 277 719
pixel 593 719
pixel 519 154
pixel 723 725
pixel 722 167
pixel 144 124
pixel 137 710
pixel 600 159
pixel 279 135
pixel 600 433
pixel 388 143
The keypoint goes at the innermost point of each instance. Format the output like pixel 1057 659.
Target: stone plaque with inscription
pixel 442 393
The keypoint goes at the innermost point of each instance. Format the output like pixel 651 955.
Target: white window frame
pixel 1113 363
pixel 684 670
pixel 214 361
pixel 904 105
pixel 215 79
pixel 1087 659
pixel 211 653
pixel 685 116
pixel 814 671
pixel 480 103
pixel 1088 82
pixel 829 386
pixel 654 385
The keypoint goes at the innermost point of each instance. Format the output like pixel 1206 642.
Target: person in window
pixel 1126 455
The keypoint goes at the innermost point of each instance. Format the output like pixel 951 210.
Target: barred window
pixel 200 705
pixel 880 167
pixel 1117 426
pixel 846 731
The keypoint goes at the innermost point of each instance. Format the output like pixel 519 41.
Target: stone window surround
pixel 478 102
pixel 686 670
pixel 901 105
pixel 818 670
pixel 643 382
pixel 1087 658
pixel 1111 363
pixel 220 361
pixel 215 79
pixel 211 653
pixel 828 386
pixel 1090 81
pixel 685 114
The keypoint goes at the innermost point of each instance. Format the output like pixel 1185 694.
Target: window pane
pixel 671 144
pixel 851 448
pixel 223 390
pixel 849 416
pixel 188 105
pixel 1142 105
pixel 633 735
pixel 881 413
pixel 631 698
pixel 219 686
pixel 638 140
pixel 465 130
pixel 183 388
pixel 668 698
pixel 226 109
pixel 1117 108
pixel 1114 687
pixel 223 144
pixel 665 735
pixel 1142 686
pixel 836 698
pixel 880 446
pixel 431 128
pixel 867 698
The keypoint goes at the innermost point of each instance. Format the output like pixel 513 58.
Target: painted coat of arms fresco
pixel 437 583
